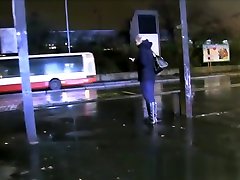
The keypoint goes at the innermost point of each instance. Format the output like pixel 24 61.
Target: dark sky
pixel 83 14
pixel 114 14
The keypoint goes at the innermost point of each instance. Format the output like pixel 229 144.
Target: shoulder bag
pixel 159 63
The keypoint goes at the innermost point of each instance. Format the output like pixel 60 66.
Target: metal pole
pixel 67 26
pixel 187 89
pixel 18 7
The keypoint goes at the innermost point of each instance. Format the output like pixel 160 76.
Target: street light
pixel 67 26
pixel 19 18
pixel 186 87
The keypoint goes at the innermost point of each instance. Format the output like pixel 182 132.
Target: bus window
pixel 73 64
pixel 68 67
pixel 36 67
pixel 52 68
pixel 56 65
pixel 9 68
pixel 3 72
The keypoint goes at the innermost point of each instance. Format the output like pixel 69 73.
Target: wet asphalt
pixel 107 139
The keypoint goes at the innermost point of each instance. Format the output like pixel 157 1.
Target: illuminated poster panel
pixel 8 40
pixel 216 53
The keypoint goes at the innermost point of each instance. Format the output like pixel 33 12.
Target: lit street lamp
pixel 186 87
pixel 19 17
pixel 67 26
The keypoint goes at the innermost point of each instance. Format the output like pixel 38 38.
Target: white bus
pixel 49 71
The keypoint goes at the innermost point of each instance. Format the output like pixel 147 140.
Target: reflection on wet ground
pixel 69 96
pixel 108 139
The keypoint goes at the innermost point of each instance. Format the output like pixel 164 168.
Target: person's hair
pixel 139 39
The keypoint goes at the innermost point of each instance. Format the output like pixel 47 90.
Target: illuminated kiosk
pixel 146 23
pixel 8 41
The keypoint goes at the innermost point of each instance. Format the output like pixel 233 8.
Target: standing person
pixel 146 76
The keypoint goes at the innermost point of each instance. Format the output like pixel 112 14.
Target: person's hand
pixel 132 59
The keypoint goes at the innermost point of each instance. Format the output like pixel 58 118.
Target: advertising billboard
pixel 216 53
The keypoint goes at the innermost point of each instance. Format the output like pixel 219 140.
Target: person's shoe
pixel 151 113
pixel 149 121
pixel 155 113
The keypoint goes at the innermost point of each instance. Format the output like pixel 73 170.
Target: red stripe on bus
pixel 72 82
pixel 10 88
pixel 45 85
pixel 18 87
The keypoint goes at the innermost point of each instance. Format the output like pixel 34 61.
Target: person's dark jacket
pixel 145 62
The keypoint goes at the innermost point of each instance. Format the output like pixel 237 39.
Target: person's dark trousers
pixel 147 88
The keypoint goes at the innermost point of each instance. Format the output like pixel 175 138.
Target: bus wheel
pixel 55 84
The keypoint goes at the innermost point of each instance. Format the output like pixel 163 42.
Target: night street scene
pixel 77 100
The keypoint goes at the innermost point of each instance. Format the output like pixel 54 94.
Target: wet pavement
pixel 107 139
pixel 43 99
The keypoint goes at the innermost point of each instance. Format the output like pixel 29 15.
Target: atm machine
pixel 146 24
